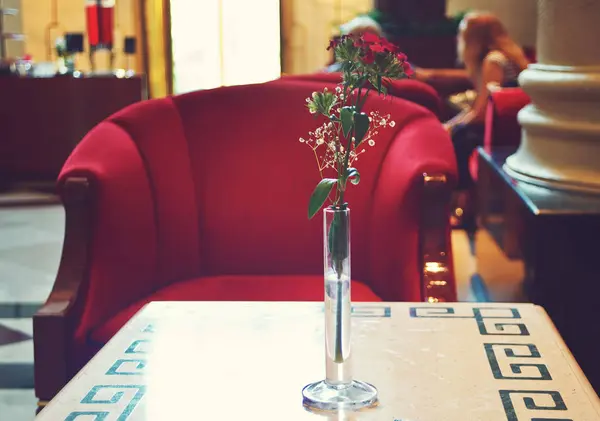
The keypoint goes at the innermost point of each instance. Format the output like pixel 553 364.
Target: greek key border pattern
pixel 505 360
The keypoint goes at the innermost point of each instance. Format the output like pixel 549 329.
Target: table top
pixel 237 360
pixel 540 200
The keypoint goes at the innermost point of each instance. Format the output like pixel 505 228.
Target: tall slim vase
pixel 338 390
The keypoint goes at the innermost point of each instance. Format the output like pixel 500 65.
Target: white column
pixel 560 146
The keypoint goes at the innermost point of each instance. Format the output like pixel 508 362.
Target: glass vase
pixel 338 390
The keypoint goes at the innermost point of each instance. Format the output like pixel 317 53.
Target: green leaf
pixel 347 121
pixel 361 127
pixel 319 195
pixel 384 86
pixel 353 175
pixel 322 102
pixel 384 91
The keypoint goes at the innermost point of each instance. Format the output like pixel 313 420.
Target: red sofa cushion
pixel 232 288
pixel 504 128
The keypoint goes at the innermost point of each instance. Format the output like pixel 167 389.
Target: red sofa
pixel 204 196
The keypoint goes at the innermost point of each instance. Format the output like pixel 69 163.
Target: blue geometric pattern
pixel 481 315
pixel 529 401
pixel 512 350
pixel 135 347
pixel 509 361
pixel 516 368
pixel 115 370
pixel 117 393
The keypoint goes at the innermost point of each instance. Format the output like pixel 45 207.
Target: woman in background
pixel 491 59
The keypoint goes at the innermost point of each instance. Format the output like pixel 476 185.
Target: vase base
pixel 325 397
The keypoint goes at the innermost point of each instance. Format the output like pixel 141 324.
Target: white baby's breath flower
pixel 326 142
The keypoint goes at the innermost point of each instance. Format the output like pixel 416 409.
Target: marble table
pixel 238 360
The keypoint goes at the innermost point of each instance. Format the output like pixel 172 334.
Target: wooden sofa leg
pixel 40 405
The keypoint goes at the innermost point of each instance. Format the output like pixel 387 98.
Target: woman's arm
pixel 491 73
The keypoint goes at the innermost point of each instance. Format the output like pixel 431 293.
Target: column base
pixel 561 129
pixel 550 183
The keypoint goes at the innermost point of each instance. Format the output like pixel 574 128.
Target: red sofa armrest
pixel 502 126
pixel 413 192
pixel 55 322
pixel 92 181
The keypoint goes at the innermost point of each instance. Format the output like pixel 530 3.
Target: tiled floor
pixel 30 246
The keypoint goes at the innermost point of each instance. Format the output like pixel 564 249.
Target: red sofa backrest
pixel 223 180
pixel 409 89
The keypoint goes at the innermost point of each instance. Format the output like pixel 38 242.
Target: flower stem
pixel 339 354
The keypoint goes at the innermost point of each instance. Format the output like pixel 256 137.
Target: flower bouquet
pixel 367 62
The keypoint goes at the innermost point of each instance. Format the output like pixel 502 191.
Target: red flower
pixel 389 47
pixel 401 57
pixel 377 48
pixel 370 38
pixel 408 71
pixel 333 43
pixel 368 57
